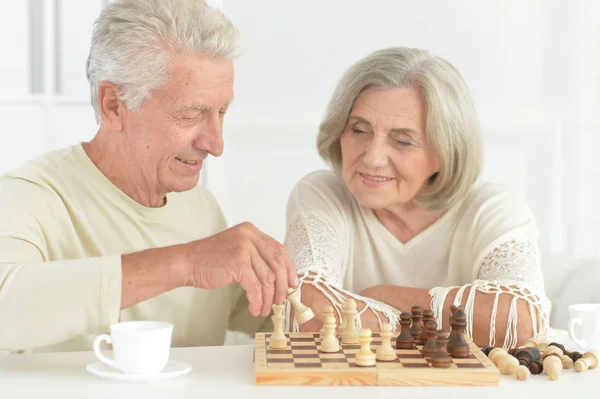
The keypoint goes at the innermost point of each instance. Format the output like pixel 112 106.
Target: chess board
pixel 301 363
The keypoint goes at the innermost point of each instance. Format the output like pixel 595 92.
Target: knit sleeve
pixel 505 259
pixel 318 237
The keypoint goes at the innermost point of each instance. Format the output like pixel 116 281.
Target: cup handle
pixel 575 321
pixel 98 352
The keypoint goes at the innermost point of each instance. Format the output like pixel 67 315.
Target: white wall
pixel 532 65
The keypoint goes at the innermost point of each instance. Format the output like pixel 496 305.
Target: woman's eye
pixel 357 131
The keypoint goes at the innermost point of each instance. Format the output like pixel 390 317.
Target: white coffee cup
pixel 139 347
pixel 585 316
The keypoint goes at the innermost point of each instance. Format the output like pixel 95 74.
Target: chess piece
pixel 330 343
pixel 460 347
pixel 344 317
pixel 427 316
pixel 431 344
pixel 588 361
pixel 552 366
pixel 278 340
pixel 567 362
pixel 365 357
pixel 495 355
pixel 405 340
pixel 524 356
pixel 327 311
pixel 441 358
pixel 453 308
pixel 417 322
pixel 386 352
pixel 350 333
pixel 302 313
pixel 536 367
pixel 507 364
pixel 522 373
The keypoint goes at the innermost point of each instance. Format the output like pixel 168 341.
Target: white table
pixel 229 370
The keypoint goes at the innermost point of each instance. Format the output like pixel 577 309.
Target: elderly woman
pixel 403 218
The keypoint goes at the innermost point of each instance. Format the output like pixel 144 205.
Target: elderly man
pixel 117 228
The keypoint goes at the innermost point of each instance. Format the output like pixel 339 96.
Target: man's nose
pixel 211 137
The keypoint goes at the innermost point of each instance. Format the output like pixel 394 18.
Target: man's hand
pixel 245 255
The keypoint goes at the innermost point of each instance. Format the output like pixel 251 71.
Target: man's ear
pixel 110 106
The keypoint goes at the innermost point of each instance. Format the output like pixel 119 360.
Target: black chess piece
pixel 417 322
pixel 427 316
pixel 405 339
pixel 431 345
pixel 453 309
pixel 460 347
pixel 441 358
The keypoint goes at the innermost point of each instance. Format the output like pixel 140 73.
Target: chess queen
pixel 402 216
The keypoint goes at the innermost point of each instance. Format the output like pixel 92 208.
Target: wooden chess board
pixel 301 363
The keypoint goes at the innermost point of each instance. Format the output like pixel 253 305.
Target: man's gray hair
pixel 133 42
pixel 452 126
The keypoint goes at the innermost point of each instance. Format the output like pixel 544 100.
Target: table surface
pixel 225 370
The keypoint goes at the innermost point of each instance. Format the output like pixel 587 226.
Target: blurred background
pixel 533 67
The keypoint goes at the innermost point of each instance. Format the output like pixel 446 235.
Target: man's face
pixel 181 123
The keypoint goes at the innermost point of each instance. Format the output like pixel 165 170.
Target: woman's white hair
pixel 452 126
pixel 133 42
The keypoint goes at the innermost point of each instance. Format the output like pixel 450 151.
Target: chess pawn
pixel 453 308
pixel 386 352
pixel 522 373
pixel 430 346
pixel 428 315
pixel 460 347
pixel 589 360
pixel 278 340
pixel 441 358
pixel 417 322
pixel 350 335
pixel 302 313
pixel 405 340
pixel 365 357
pixel 327 311
pixel 330 343
pixel 552 366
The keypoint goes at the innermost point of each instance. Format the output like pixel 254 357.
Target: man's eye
pixel 358 131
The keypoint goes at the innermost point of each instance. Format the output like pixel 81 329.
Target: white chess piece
pixel 278 340
pixel 350 333
pixel 302 313
pixel 365 357
pixel 386 352
pixel 327 311
pixel 330 342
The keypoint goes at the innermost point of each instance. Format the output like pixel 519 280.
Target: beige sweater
pixel 63 228
pixel 487 241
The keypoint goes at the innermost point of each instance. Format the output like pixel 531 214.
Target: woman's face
pixel 385 156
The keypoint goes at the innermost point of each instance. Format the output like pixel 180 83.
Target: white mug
pixel 139 347
pixel 586 316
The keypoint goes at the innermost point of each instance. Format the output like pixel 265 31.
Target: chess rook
pixel 302 313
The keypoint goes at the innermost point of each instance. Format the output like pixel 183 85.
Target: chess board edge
pixel 488 375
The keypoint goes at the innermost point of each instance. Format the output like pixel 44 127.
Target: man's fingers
pixel 267 281
pixel 275 256
pixel 253 288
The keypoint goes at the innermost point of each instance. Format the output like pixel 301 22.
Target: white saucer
pixel 172 369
